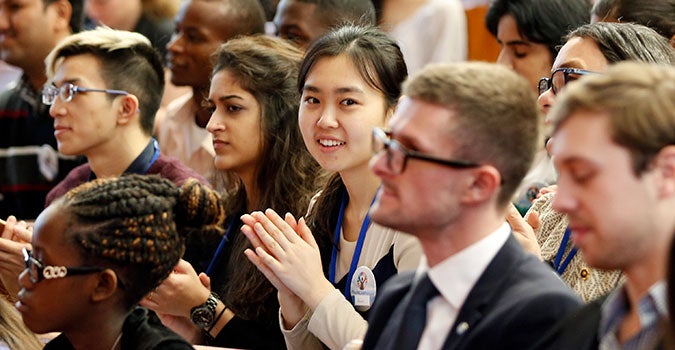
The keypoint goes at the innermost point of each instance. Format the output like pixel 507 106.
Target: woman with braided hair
pixel 99 249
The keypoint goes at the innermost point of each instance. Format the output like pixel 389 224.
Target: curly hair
pixel 136 225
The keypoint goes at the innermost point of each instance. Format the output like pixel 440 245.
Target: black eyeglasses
pixel 559 78
pixel 67 91
pixel 397 154
pixel 38 272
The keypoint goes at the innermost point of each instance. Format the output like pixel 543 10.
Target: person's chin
pixel 381 212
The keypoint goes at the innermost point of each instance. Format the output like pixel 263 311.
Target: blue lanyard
pixel 557 264
pixel 221 246
pixel 357 250
pixel 154 156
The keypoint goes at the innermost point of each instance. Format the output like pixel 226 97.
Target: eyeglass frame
pixel 49 98
pixel 48 272
pixel 545 83
pixel 381 136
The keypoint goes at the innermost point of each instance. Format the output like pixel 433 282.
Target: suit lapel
pixel 483 292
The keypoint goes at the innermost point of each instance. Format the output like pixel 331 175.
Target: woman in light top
pixel 350 82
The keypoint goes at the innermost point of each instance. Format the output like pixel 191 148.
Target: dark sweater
pixel 165 166
pixel 142 330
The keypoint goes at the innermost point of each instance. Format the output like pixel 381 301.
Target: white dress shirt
pixel 455 277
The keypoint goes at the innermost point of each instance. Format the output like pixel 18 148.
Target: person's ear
pixel 672 41
pixel 665 165
pixel 64 11
pixel 485 182
pixel 389 112
pixel 106 285
pixel 128 109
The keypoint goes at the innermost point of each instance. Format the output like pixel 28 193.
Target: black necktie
pixel 415 316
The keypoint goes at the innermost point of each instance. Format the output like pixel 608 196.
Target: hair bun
pixel 199 206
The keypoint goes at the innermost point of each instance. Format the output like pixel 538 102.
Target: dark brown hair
pixel 286 174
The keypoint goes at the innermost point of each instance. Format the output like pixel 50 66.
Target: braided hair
pixel 137 224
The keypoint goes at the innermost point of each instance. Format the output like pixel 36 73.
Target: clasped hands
pixel 287 254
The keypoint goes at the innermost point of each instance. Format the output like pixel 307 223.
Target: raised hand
pixel 16 235
pixel 524 229
pixel 286 252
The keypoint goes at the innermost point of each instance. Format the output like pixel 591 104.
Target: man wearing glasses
pixel 460 142
pixel 104 89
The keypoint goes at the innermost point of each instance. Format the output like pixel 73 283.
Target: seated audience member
pixel 105 115
pixel 615 151
pixel 449 165
pixel 350 82
pixel 656 14
pixel 589 49
pixel 304 21
pixel 98 250
pixel 428 31
pixel 13 333
pixel 530 33
pixel 104 89
pixel 30 166
pixel 201 27
pixel 259 149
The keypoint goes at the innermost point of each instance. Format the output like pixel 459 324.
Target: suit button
pixel 462 327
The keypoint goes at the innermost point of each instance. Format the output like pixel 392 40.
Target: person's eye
pixel 297 39
pixel 311 100
pixel 193 36
pixel 520 54
pixel 348 102
pixel 234 108
pixel 581 176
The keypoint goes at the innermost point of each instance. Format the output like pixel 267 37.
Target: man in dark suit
pixel 614 146
pixel 460 142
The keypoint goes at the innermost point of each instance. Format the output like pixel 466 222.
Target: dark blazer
pixel 514 302
pixel 579 331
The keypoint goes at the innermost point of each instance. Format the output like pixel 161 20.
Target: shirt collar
pixel 650 307
pixel 144 160
pixel 455 276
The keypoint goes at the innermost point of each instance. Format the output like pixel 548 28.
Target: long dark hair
pixel 380 63
pixel 286 174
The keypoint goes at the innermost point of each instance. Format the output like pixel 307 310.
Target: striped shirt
pixel 652 308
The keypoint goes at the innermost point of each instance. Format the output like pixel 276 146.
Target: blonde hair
pixel 12 330
pixel 103 38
